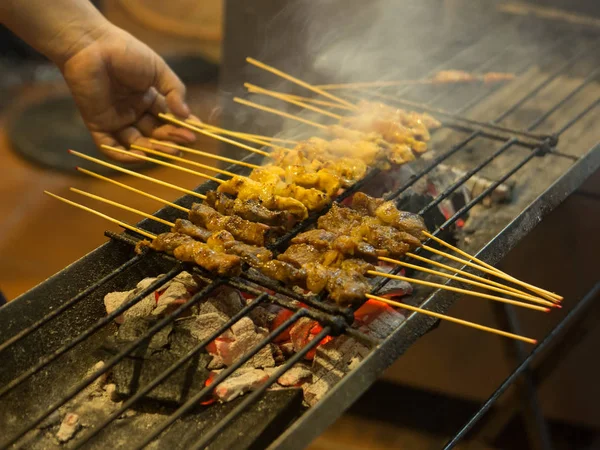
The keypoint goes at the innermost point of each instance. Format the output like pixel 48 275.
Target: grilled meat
pixel 318 238
pixel 347 287
pixel 284 272
pixel 165 242
pixel 340 220
pixel 300 254
pixel 243 230
pixel 184 226
pixel 389 214
pixel 209 259
pixel 250 254
pixel 250 209
pixel 347 245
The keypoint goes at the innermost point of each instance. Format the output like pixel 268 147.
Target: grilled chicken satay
pixel 186 248
pixel 251 210
pixel 243 230
pixel 389 214
pixel 346 245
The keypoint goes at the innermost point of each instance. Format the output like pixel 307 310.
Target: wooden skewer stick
pixel 132 189
pixel 137 175
pixel 299 82
pixel 257 139
pixel 183 160
pixel 280 96
pixel 453 319
pixel 213 135
pixel 279 113
pixel 104 216
pixel 124 207
pixel 377 84
pixel 319 102
pixel 205 154
pixel 492 268
pixel 484 269
pixel 459 290
pixel 162 163
pixel 239 133
pixel 465 280
pixel 470 275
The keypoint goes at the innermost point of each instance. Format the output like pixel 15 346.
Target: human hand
pixel 120 86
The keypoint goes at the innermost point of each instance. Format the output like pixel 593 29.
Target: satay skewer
pixel 498 273
pixel 453 319
pixel 213 135
pixel 183 160
pixel 319 102
pixel 163 163
pixel 279 113
pixel 467 274
pixel 235 134
pixel 299 82
pixel 471 282
pixel 123 207
pixel 104 216
pixel 459 290
pixel 205 154
pixel 132 189
pixel 280 96
pixel 136 174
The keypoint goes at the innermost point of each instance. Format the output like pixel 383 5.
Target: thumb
pixel 169 85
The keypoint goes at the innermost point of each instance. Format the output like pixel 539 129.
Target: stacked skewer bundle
pixel 232 229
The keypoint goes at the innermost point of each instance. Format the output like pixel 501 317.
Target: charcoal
pixel 246 336
pixel 239 383
pixel 187 280
pixel 300 332
pixel 68 427
pixel 296 376
pixel 262 317
pixel 171 298
pixel 137 327
pixel 132 373
pixel 205 324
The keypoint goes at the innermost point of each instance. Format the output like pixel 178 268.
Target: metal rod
pixel 193 401
pixel 168 372
pixel 90 379
pixel 69 304
pixel 209 436
pixel 556 331
pixel 578 117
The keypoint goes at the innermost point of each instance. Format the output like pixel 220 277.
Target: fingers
pixel 171 87
pixel 105 139
pixel 150 126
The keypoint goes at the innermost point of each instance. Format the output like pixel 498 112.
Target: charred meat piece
pixel 353 246
pixel 384 237
pixel 243 230
pixel 250 254
pixel 209 259
pixel 318 238
pixel 317 276
pixel 358 265
pixel 166 242
pixel 218 239
pixel 184 226
pixel 365 204
pixel 300 254
pixel 250 209
pixel 340 220
pixel 347 287
pixel 284 272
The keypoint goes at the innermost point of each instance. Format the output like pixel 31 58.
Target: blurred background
pixel 451 369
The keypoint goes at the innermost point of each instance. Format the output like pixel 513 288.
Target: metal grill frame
pixel 334 319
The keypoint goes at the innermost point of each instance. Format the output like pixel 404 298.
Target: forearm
pixel 56 28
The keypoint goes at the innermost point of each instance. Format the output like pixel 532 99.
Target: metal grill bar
pixel 86 334
pixel 576 119
pixel 64 307
pixel 252 398
pixel 164 375
pixel 558 330
pixel 193 401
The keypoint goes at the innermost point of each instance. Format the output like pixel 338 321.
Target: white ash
pixel 300 332
pixel 188 280
pixel 287 348
pixel 204 325
pixel 216 363
pixel 296 376
pixel 175 295
pixel 246 337
pixel 239 383
pixel 68 427
pixel 332 361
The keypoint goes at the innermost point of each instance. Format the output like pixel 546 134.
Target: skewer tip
pixel 547 310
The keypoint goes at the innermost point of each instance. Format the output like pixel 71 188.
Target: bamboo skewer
pixel 299 82
pixel 137 175
pixel 458 290
pixel 453 319
pixel 319 102
pixel 465 280
pixel 124 207
pixel 536 289
pixel 279 113
pixel 205 154
pixel 470 275
pixel 104 216
pixel 183 160
pixel 213 135
pixel 484 269
pixel 256 138
pixel 258 90
pixel 378 84
pixel 132 189
pixel 239 133
pixel 162 163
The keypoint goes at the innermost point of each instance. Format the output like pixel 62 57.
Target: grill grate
pixel 335 320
